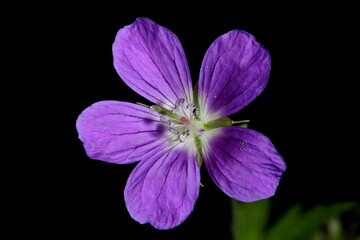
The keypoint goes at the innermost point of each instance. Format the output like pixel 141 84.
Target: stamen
pixel 199 131
pixel 165 119
pixel 186 131
pixel 185 112
pixel 179 102
pixel 173 130
pixel 191 106
pixel 183 135
pixel 174 124
pixel 184 124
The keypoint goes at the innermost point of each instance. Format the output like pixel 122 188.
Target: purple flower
pixel 186 127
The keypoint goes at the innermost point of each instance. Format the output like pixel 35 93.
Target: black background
pixel 60 62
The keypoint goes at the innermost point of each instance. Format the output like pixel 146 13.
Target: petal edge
pixel 150 59
pixel 120 132
pixel 234 71
pixel 163 189
pixel 244 164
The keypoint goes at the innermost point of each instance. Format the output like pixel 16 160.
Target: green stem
pixel 236 220
pixel 249 219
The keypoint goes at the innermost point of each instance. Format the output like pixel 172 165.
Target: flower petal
pixel 120 132
pixel 163 189
pixel 150 60
pixel 234 71
pixel 243 163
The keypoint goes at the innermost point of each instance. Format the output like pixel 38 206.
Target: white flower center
pixel 186 124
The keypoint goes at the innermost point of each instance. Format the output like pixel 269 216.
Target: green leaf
pixel 334 227
pixel 287 221
pixel 249 219
pixel 298 225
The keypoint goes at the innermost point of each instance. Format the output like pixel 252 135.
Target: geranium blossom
pixel 186 127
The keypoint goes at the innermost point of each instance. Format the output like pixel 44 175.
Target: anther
pixel 173 124
pixel 183 135
pixel 179 102
pixel 165 119
pixel 185 132
pixel 173 130
pixel 191 106
pixel 182 138
pixel 199 131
